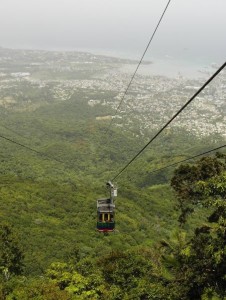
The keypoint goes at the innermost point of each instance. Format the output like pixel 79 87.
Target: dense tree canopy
pixel 203 260
pixel 49 248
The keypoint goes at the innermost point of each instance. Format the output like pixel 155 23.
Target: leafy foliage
pixel 11 254
pixel 185 181
pixel 49 248
pixel 203 260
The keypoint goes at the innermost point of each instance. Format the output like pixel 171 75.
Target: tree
pixel 78 286
pixel 11 254
pixel 129 274
pixel 184 182
pixel 34 289
pixel 202 262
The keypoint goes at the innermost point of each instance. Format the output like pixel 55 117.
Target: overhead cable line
pixel 187 159
pixel 140 61
pixel 167 124
pixel 31 149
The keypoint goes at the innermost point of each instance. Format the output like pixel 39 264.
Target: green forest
pixel 169 241
pixel 56 157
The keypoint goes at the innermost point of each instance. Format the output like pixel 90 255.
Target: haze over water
pixel 190 36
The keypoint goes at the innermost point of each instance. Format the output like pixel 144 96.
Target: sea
pixel 162 65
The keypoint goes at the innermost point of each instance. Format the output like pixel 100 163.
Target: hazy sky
pixel 191 29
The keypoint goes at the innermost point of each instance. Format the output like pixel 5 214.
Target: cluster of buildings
pixel 149 102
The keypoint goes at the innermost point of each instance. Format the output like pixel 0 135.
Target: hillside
pixel 49 198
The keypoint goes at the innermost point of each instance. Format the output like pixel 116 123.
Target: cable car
pixel 106 211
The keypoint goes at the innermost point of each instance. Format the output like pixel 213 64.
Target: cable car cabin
pixel 105 215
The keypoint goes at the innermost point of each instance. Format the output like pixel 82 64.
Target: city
pixel 30 79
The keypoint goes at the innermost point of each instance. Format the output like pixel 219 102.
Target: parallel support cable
pixel 134 74
pixel 167 124
pixel 31 149
pixel 187 159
